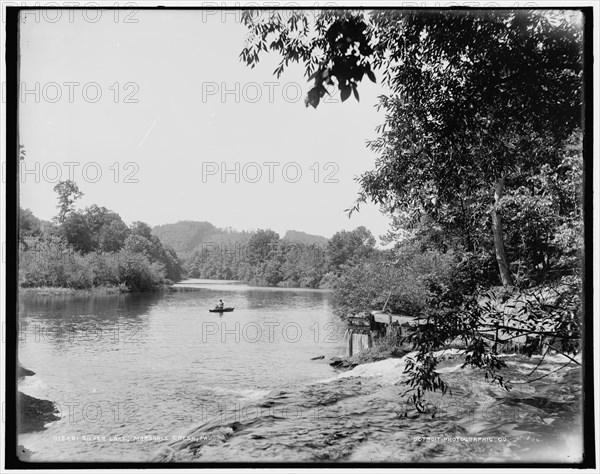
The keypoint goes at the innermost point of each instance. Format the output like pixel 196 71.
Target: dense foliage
pixel 264 258
pixel 479 165
pixel 91 248
pixel 399 280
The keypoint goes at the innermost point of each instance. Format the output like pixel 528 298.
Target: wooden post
pixel 350 343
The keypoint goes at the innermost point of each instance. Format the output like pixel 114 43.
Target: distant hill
pixel 304 238
pixel 184 236
pixel 187 236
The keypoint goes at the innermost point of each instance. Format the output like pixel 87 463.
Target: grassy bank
pixel 98 290
pixel 59 291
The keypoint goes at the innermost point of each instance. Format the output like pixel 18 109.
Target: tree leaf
pixel 370 75
pixel 344 92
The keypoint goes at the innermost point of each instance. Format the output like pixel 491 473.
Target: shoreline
pixel 177 287
pixel 191 282
pixel 97 291
pixel 33 414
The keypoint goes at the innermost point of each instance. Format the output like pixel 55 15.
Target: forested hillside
pixel 184 236
pixel 259 257
pixel 264 258
pixel 304 238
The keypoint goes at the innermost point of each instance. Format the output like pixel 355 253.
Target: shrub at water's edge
pixel 62 291
pixel 92 249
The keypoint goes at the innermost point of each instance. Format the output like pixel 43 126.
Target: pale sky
pixel 163 119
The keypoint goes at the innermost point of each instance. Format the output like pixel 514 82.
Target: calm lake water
pixel 158 377
pixel 126 366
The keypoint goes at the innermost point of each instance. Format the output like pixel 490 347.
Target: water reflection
pixel 152 364
pixel 246 378
pixel 65 321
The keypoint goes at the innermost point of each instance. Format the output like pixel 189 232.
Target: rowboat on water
pixel 222 310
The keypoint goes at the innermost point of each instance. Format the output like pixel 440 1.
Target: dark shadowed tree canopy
pixel 478 100
pixel 479 164
pixel 344 246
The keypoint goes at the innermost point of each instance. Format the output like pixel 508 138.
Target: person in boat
pixel 220 305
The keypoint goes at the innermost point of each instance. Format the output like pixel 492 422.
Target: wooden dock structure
pixel 365 327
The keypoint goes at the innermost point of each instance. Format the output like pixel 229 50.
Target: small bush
pixel 50 262
pixel 404 276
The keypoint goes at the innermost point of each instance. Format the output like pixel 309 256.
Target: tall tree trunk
pixel 505 276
